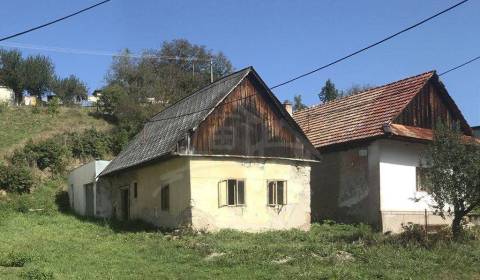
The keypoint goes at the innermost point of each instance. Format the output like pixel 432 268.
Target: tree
pixel 453 175
pixel 12 72
pixel 165 75
pixel 38 75
pixel 329 92
pixel 297 103
pixel 354 89
pixel 69 90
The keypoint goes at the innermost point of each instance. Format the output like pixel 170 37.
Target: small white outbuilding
pixel 82 187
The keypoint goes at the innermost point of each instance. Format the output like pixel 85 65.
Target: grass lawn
pixel 18 124
pixel 50 243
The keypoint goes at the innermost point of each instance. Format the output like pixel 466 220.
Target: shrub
pixel 51 154
pixel 18 179
pixel 25 156
pixel 90 143
pixel 35 109
pixel 53 106
pixel 38 274
pixel 3 106
pixel 15 259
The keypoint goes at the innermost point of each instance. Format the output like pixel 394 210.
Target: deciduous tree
pixel 12 72
pixel 70 90
pixel 453 175
pixel 38 75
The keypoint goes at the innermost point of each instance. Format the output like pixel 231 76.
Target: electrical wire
pixel 369 46
pixel 95 52
pixel 459 66
pixel 53 21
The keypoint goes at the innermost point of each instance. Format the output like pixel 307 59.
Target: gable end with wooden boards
pixel 251 122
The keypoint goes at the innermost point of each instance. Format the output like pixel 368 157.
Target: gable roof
pixel 161 133
pixel 361 115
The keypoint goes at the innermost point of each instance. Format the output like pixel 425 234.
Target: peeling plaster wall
pixel 150 179
pixel 342 188
pixel 207 172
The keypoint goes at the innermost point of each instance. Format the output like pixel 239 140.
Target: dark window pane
pixel 231 192
pixel 240 192
pixel 280 192
pixel 165 198
pixel 271 192
pixel 135 190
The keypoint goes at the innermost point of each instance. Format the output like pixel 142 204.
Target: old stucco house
pixel 227 156
pixel 371 145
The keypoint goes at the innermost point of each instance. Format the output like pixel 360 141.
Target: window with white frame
pixel 231 192
pixel 277 193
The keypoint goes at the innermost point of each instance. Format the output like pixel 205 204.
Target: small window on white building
pixel 277 193
pixel 422 184
pixel 231 192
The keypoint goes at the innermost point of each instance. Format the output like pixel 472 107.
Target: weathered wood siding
pixel 429 106
pixel 247 123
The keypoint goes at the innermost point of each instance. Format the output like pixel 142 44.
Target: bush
pixel 38 274
pixel 3 106
pixel 53 106
pixel 91 143
pixel 18 179
pixel 15 259
pixel 51 154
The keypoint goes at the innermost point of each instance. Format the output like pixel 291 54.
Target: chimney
pixel 288 106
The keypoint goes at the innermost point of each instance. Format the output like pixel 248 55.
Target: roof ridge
pixel 203 88
pixel 365 91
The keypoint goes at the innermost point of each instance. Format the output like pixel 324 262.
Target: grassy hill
pixel 18 124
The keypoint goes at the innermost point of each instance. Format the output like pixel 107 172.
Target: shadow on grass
pixel 63 205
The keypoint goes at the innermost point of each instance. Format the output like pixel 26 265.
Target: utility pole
pixel 211 70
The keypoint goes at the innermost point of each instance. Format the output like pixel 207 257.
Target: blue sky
pixel 280 39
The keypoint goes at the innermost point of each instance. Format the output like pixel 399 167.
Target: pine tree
pixel 329 92
pixel 297 103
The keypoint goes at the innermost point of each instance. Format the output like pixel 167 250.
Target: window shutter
pixel 222 193
pixel 280 193
pixel 240 192
pixel 271 193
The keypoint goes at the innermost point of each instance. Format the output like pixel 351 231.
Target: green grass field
pixel 53 244
pixel 18 124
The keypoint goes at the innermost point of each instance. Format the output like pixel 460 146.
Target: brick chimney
pixel 288 106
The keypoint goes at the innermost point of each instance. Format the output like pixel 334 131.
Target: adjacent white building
pixel 372 145
pixel 7 95
pixel 82 187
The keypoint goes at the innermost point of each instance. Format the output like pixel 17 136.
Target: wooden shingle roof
pixel 160 135
pixel 361 115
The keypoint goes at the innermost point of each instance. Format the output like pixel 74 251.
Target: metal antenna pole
pixel 211 70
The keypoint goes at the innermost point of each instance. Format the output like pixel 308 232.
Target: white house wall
pixel 399 200
pixel 6 95
pixel 79 177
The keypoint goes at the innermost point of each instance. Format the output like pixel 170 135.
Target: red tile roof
pixel 361 115
pixel 421 133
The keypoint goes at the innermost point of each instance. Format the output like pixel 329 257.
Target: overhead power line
pixel 97 52
pixel 53 21
pixel 369 46
pixel 459 66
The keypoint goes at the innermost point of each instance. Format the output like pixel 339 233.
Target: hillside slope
pixel 19 124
